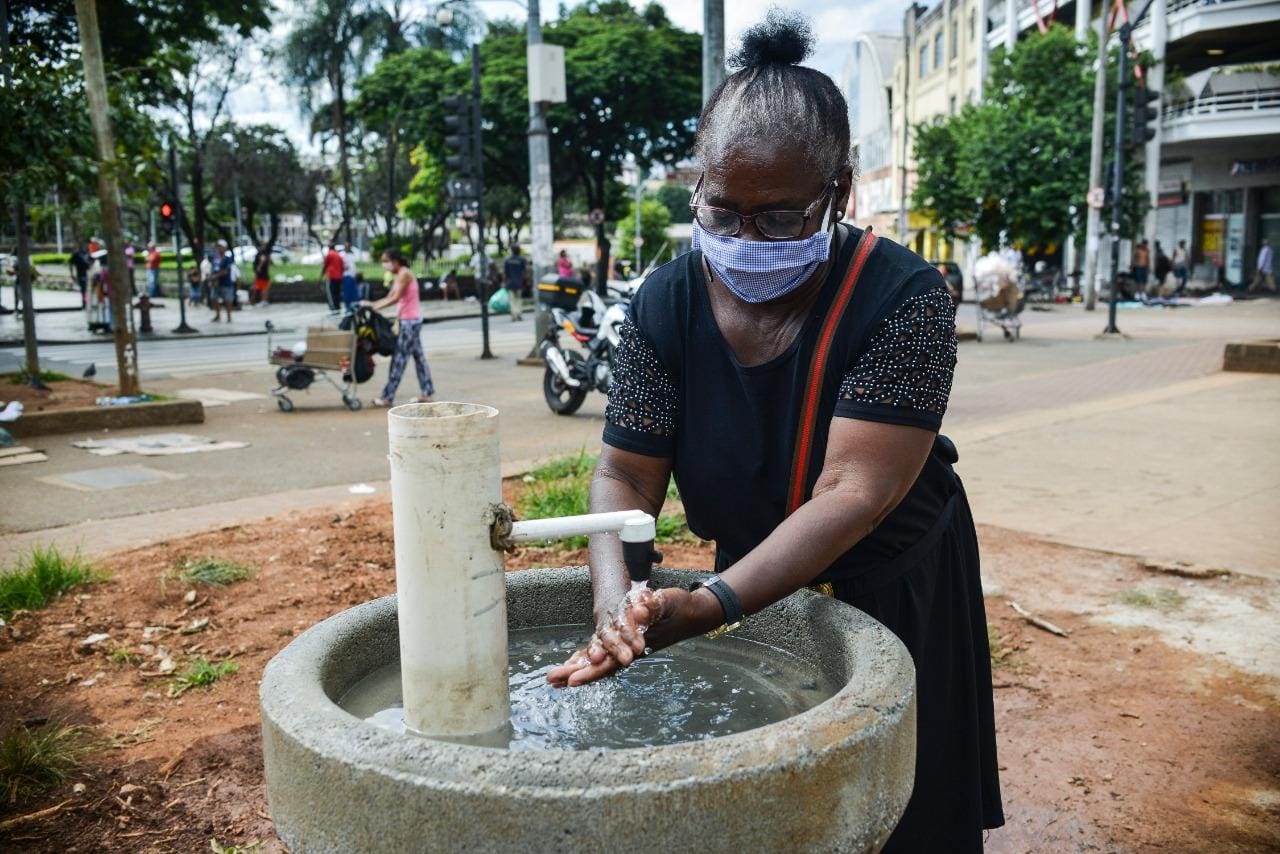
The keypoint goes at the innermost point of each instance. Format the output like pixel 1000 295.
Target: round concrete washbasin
pixel 834 778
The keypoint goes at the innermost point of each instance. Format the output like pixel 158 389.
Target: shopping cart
pixel 326 350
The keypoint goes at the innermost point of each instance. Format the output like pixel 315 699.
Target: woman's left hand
pixel 651 619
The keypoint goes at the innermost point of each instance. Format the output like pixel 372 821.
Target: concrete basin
pixel 834 778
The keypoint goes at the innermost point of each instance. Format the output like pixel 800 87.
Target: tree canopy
pixel 1018 162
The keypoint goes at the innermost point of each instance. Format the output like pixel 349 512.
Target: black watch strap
pixel 724 594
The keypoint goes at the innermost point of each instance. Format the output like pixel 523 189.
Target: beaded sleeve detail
pixel 642 397
pixel 910 360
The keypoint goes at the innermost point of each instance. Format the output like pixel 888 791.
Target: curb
pixel 93 418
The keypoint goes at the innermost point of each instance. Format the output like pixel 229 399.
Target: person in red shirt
pixel 153 270
pixel 332 272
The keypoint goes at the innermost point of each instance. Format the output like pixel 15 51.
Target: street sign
pixel 1097 197
pixel 638 242
pixel 596 217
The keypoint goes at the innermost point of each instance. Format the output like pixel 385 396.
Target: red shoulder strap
pixel 817 371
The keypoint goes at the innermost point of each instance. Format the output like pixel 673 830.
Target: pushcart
pixel 325 351
pixel 997 298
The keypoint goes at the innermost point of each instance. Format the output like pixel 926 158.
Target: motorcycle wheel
pixel 564 399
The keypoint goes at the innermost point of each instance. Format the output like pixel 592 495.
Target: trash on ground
pixel 361 489
pixel 123 399
pixel 20 454
pixel 11 412
pixel 156 445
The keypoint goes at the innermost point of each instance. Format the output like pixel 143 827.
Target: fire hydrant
pixel 144 306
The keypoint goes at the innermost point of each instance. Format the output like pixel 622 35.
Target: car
pixel 955 279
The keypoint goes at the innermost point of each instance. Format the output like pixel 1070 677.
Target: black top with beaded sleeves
pixel 730 429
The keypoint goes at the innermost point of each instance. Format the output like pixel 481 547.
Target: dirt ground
pixel 62 394
pixel 1112 739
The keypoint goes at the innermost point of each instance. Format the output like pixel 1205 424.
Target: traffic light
pixel 1143 115
pixel 458 141
pixel 167 214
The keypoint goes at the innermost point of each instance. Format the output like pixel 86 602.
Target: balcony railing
pixel 1231 104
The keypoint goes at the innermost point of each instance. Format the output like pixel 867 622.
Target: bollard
pixel 144 308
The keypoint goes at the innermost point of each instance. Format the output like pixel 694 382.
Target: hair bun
pixel 783 38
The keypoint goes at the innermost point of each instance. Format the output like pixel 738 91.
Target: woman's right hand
pixel 619 640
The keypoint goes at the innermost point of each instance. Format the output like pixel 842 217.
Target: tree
pixel 634 87
pixel 654 219
pixel 425 203
pixel 259 164
pixel 675 198
pixel 1018 163
pixel 330 46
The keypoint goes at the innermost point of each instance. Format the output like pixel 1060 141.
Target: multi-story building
pixel 867 81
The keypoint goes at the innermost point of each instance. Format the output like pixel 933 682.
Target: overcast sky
pixel 265 100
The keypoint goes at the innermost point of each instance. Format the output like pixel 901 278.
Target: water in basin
pixel 695 690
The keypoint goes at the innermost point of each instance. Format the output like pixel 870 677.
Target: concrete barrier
pixel 834 778
pixel 93 419
pixel 1252 357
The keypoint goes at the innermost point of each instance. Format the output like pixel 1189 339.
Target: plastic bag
pixel 500 302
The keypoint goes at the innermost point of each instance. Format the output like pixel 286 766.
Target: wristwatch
pixel 728 603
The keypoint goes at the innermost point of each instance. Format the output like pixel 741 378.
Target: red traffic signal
pixel 166 210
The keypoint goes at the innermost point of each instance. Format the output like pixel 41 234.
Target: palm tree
pixel 329 47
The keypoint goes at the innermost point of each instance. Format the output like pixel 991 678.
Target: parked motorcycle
pixel 570 373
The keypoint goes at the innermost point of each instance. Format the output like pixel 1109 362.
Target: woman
pixel 708 381
pixel 564 267
pixel 404 290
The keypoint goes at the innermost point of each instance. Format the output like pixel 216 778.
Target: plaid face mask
pixel 761 270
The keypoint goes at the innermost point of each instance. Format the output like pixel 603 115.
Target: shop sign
pixel 1170 194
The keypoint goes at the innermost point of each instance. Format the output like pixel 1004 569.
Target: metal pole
pixel 482 285
pixel 57 219
pixel 541 233
pixel 712 47
pixel 183 328
pixel 1117 188
pixel 1155 83
pixel 639 190
pixel 1093 220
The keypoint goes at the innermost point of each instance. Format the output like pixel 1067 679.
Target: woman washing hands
pixel 792 373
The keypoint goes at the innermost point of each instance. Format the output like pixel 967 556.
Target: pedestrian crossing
pixel 199 356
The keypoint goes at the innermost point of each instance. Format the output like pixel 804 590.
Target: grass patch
pixel 1160 598
pixel 211 571
pixel 122 655
pixel 562 487
pixel 42 575
pixel 1002 656
pixel 34 760
pixel 248 848
pixel 200 673
pixel 22 377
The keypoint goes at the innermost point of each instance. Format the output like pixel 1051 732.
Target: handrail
pixel 1233 102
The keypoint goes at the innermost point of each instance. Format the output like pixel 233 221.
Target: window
pixel 953 105
pixel 955 39
pixel 973 23
pixel 924 60
pixel 937 50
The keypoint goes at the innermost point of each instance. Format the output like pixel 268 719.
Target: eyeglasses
pixel 775 225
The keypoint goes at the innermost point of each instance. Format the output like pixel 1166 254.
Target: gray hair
pixel 773 98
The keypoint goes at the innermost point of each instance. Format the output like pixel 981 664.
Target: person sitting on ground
pixel 404 294
pixel 449 285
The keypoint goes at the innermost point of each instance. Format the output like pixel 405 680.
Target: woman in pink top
pixel 564 267
pixel 404 290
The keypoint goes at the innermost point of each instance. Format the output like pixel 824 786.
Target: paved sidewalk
pixel 1138 446
pixel 55 324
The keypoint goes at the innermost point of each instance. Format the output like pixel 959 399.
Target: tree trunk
pixel 392 145
pixel 340 125
pixel 108 193
pixel 28 306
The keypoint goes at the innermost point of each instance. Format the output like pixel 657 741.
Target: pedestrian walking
pixel 1263 276
pixel 1180 267
pixel 100 280
pixel 261 276
pixel 1141 266
pixel 80 262
pixel 331 272
pixel 404 294
pixel 350 287
pixel 513 275
pixel 224 289
pixel 833 479
pixel 129 252
pixel 153 270
pixel 1163 264
pixel 206 280
pixel 564 267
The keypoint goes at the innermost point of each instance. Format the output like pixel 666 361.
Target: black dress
pixel 729 429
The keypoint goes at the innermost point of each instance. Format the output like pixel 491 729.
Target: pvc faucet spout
pixel 636 528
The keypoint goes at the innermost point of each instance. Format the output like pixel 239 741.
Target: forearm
pixel 803 546
pixel 613 490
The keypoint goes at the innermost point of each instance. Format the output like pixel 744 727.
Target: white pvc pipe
pixel 536 530
pixel 445 482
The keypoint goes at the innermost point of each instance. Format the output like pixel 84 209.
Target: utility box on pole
pixel 546 73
